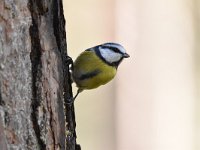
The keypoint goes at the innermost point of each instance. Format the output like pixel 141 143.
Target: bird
pixel 97 66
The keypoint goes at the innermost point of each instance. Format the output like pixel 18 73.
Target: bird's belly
pixel 98 80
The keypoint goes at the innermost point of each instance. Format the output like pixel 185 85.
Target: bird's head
pixel 111 53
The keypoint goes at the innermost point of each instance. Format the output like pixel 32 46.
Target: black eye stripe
pixel 114 49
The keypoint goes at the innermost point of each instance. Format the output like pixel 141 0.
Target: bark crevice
pixel 1 100
pixel 35 57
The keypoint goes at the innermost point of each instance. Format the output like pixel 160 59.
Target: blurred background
pixel 154 101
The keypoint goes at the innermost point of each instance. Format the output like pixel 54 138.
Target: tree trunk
pixel 34 79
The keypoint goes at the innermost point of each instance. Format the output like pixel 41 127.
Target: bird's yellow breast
pixel 90 71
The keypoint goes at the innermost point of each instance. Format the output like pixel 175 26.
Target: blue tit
pixel 97 66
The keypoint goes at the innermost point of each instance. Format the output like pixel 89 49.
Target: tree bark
pixel 34 78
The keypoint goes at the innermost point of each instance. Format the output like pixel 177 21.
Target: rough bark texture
pixel 33 77
pixel 15 77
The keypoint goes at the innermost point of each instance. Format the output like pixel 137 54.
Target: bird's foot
pixel 68 61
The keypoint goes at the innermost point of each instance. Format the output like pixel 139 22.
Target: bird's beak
pixel 126 55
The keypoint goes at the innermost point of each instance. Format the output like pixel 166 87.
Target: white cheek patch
pixel 109 55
